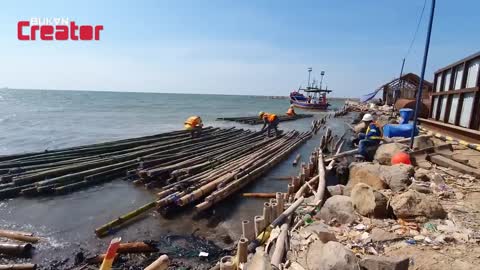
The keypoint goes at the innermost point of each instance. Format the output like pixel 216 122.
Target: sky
pixel 233 47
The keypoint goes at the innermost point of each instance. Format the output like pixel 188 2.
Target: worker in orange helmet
pixel 291 111
pixel 270 121
pixel 194 125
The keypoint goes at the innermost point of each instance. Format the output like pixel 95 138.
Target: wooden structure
pixel 455 101
pixel 407 87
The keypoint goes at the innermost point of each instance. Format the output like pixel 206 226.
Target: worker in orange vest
pixel 270 121
pixel 291 111
pixel 194 125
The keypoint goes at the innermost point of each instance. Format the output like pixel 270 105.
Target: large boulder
pixel 338 207
pixel 330 256
pixel 370 262
pixel 369 202
pixel 412 204
pixel 386 151
pixel 396 177
pixel 367 173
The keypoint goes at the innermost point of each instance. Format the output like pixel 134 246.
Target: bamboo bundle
pixel 254 120
pixel 173 160
pixel 212 173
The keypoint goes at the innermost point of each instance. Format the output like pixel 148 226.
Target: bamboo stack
pixel 66 170
pixel 204 175
pixel 254 120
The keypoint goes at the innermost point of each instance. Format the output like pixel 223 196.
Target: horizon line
pixel 146 92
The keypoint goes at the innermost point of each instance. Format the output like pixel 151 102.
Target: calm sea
pixel 35 120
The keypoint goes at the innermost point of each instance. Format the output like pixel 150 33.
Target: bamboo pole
pixel 259 224
pixel 321 179
pixel 264 235
pixel 280 246
pixel 227 263
pixel 24 266
pixel 242 250
pixel 19 236
pixel 248 230
pixel 159 264
pixel 259 195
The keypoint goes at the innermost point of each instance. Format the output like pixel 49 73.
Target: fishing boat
pixel 313 97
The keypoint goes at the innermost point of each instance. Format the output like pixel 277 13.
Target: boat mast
pixel 309 71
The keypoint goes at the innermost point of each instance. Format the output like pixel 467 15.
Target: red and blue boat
pixel 312 97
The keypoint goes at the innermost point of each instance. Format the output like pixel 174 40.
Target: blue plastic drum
pixel 406 115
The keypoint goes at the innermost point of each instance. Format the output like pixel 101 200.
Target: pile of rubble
pixel 394 217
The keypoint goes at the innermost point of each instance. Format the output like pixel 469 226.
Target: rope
pixel 416 31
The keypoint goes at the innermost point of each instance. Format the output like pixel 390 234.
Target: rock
pixel 370 262
pixel 379 235
pixel 386 151
pixel 397 176
pixel 422 143
pixel 321 230
pixel 422 175
pixel 424 164
pixel 419 238
pixel 338 207
pixel 438 179
pixel 330 256
pixel 379 177
pixel 412 204
pixel 336 190
pixel 420 188
pixel 367 173
pixel 369 202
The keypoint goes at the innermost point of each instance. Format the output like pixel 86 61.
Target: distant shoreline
pixel 140 92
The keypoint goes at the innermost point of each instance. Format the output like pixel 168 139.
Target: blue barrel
pixel 406 115
pixel 402 130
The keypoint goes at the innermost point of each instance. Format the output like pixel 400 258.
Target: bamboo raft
pixel 157 160
pixel 254 120
pixel 207 172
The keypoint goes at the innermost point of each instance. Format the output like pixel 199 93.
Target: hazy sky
pixel 233 47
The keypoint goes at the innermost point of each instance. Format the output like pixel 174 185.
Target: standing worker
pixel 194 125
pixel 371 137
pixel 270 121
pixel 291 111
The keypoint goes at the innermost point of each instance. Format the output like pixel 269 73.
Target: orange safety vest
pixel 193 121
pixel 290 112
pixel 270 117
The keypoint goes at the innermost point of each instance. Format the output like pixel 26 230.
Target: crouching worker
pixel 370 139
pixel 291 111
pixel 194 125
pixel 270 121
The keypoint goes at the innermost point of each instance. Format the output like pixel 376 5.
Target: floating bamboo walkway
pixel 254 120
